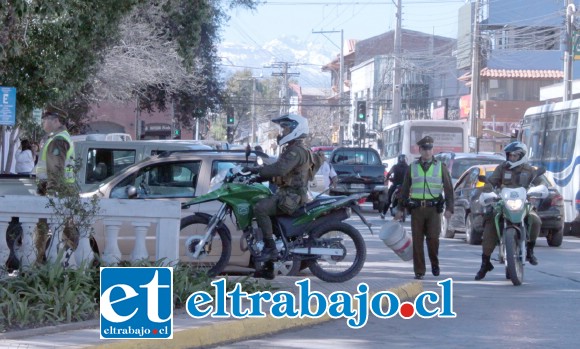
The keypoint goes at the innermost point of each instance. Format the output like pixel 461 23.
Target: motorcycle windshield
pixel 513 193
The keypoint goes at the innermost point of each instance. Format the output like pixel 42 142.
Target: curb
pixel 40 331
pixel 237 330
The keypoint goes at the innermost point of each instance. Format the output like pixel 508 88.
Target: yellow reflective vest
pixel 69 162
pixel 426 185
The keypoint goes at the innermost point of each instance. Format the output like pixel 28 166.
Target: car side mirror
pixel 131 192
pixel 482 178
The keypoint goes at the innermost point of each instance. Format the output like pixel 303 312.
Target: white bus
pixel 402 138
pixel 550 132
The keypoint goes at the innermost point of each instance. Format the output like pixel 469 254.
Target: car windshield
pixel 461 165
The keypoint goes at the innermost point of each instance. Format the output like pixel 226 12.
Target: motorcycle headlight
pixel 514 205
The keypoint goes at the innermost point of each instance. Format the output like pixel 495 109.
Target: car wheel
pixel 445 231
pixel 555 237
pixel 470 235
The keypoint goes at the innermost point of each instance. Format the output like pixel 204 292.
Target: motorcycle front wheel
pixel 215 255
pixel 343 267
pixel 513 253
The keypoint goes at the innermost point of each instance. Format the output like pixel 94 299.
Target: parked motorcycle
pixel 315 235
pixel 510 209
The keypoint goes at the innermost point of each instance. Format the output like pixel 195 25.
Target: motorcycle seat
pixel 314 204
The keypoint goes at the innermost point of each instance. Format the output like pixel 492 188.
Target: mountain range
pixel 304 58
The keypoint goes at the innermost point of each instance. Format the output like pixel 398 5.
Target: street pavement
pixel 383 270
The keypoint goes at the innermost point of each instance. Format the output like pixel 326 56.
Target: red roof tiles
pixel 521 74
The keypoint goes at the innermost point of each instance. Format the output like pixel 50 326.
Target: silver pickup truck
pixel 100 160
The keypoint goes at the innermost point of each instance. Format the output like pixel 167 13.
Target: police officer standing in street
pixel 422 193
pixel 290 173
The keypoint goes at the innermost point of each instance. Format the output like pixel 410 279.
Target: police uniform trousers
pixel 263 210
pixel 425 225
pixel 490 238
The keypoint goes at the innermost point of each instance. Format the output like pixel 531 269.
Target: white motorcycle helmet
pixel 518 148
pixel 293 127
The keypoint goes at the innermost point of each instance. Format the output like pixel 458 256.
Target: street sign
pixel 576 45
pixel 472 142
pixel 7 106
pixel 36 115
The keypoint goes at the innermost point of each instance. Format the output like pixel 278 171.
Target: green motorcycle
pixel 510 209
pixel 315 236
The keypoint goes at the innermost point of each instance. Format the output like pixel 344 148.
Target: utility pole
pixel 284 91
pixel 475 71
pixel 253 112
pixel 396 108
pixel 341 122
pixel 568 54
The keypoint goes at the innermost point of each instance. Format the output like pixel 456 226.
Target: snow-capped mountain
pixel 303 58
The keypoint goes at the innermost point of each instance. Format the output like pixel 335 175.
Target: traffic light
pixel 355 130
pixel 230 134
pixel 230 119
pixel 361 111
pixel 177 133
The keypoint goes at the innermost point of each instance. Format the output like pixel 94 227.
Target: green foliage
pixel 50 294
pixel 47 295
pixel 73 214
pixel 49 48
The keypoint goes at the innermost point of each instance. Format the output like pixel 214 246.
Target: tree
pixel 169 55
pixel 49 48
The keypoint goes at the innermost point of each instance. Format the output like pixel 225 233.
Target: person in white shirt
pixel 328 173
pixel 24 158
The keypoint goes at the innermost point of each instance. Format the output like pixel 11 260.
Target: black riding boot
pixel 530 253
pixel 267 271
pixel 485 267
pixel 268 252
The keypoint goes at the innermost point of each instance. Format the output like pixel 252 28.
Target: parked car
pixel 468 213
pixel 179 176
pixel 457 163
pixel 359 170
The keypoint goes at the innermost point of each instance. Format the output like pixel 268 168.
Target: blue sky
pixel 358 19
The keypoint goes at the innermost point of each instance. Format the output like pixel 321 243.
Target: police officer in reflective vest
pixel 56 161
pixel 426 181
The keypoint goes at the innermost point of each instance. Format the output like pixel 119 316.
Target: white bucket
pixel 397 239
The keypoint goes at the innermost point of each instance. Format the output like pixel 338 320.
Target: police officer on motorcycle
pixel 290 174
pixel 514 172
pixel 396 175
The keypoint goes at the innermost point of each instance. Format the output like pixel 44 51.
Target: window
pixel 166 180
pixel 220 168
pixel 104 163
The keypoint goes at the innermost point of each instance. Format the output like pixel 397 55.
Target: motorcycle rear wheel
pixel 338 268
pixel 215 260
pixel 514 265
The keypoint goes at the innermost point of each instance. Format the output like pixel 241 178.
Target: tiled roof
pixel 521 74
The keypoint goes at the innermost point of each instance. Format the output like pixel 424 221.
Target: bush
pixel 50 294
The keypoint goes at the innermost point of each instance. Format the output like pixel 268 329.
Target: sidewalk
pixel 383 270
